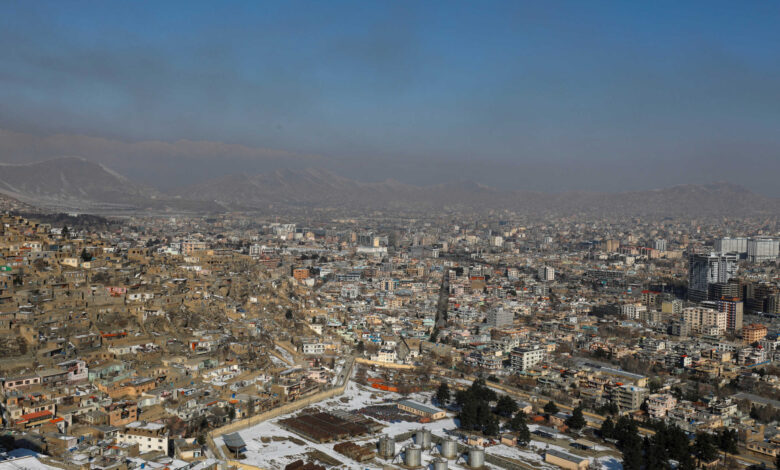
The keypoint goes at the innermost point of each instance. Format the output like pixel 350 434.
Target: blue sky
pixel 536 95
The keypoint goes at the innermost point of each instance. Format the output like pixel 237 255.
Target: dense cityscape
pixel 389 342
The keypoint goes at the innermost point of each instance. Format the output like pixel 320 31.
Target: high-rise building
pixel 734 308
pixel 660 244
pixel 762 297
pixel 762 249
pixel 731 245
pixel 546 273
pixel 706 269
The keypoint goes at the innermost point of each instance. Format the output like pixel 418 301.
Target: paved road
pixel 442 305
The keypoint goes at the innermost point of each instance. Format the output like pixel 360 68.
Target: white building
pixel 632 311
pixel 385 354
pixel 149 436
pixel 525 358
pixel 313 348
pixel 659 404
pixel 731 245
pixel 762 249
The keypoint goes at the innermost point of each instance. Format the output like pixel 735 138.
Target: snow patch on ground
pixel 271 447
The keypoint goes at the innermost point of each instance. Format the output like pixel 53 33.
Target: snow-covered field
pixel 285 354
pixel 271 447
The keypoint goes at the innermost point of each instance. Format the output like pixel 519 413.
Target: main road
pixel 442 305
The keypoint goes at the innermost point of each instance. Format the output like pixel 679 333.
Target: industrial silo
pixel 476 457
pixel 439 464
pixel 387 447
pixel 449 448
pixel 422 437
pixel 413 456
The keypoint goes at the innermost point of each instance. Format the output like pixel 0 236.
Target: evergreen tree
pixel 85 256
pixel 474 403
pixel 518 424
pixel 608 428
pixel 484 414
pixel 576 421
pixel 461 397
pixel 551 408
pixel 608 409
pixel 687 463
pixel 468 414
pixel 517 421
pixel 479 388
pixel 676 442
pixel 630 443
pixel 727 441
pixel 653 459
pixel 632 453
pixel 491 427
pixel 506 406
pixel 704 447
pixel 524 434
pixel 443 393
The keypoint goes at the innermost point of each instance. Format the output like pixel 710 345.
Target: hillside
pixel 77 184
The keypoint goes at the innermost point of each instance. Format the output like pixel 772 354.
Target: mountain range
pixel 75 184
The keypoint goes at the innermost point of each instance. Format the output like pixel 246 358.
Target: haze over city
pixel 550 96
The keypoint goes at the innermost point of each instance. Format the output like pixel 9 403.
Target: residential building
pixel 629 397
pixel 702 318
pixel 753 333
pixel 525 358
pixel 150 437
pixel 499 318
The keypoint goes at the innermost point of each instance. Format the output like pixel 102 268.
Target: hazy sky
pixel 534 95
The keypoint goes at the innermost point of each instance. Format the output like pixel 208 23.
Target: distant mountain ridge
pixel 74 183
pixel 320 188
